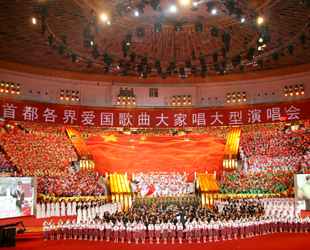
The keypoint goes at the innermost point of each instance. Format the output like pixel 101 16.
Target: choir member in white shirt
pixel 57 209
pixel 204 228
pixel 157 232
pixel 129 232
pixel 101 231
pixel 180 231
pixel 69 209
pixel 63 208
pixel 189 232
pixel 39 211
pixel 52 229
pixel 45 230
pixel 59 228
pixel 151 232
pixel 43 209
pixel 216 228
pixel 52 209
pixel 48 209
pixel 172 232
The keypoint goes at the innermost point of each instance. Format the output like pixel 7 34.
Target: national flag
pixel 151 189
pixel 116 153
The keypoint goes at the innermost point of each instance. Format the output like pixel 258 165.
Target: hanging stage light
pixel 140 32
pixel 139 10
pixel 178 26
pixel 155 4
pixel 214 32
pixel 157 27
pixel 198 27
pixel 210 8
pixel 230 5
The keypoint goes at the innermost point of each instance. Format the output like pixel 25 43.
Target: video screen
pixel 17 196
pixel 303 191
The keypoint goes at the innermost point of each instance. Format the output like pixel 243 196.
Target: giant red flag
pixel 136 153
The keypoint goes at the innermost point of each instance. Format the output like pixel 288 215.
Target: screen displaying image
pixel 17 196
pixel 303 191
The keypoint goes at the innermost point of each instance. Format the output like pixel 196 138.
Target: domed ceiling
pixel 166 38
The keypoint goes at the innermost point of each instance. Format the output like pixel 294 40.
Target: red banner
pixel 155 117
pixel 135 154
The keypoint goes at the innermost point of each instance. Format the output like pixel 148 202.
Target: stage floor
pixel 32 239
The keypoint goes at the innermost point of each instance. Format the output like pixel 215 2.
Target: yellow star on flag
pixel 109 138
pixel 143 138
pixel 132 146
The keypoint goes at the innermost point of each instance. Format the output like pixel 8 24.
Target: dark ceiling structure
pixel 156 38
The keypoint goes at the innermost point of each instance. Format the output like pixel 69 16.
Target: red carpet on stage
pixel 116 153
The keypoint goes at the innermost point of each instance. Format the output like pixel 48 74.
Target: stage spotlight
pixel 86 33
pixel 182 71
pixel 140 32
pixel 210 8
pixel 120 10
pixel 254 17
pixel 214 57
pixel 61 50
pixel 140 68
pixel 43 28
pixel 198 27
pixel 112 19
pixel 128 39
pixel 303 39
pixel 178 26
pixel 266 39
pixel 251 54
pixel 132 57
pixel 226 38
pixel 139 10
pixel 202 61
pixel 157 64
pixel 73 58
pixel 50 40
pixel 238 15
pixel 64 39
pixel 155 4
pixel 195 3
pixel 148 70
pixel 214 32
pixel 275 57
pixel 260 64
pixel 265 29
pixel 291 49
pixel 103 17
pixel 188 64
pixel 86 44
pixel 230 5
pixel 89 65
pixel 260 20
pixel 204 69
pixel 172 64
pixel 34 20
pixel 157 27
pixel 173 8
pixel 144 61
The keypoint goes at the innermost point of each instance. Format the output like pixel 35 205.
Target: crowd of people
pixel 270 182
pixel 237 218
pixel 30 152
pixel 82 209
pixel 69 183
pixel 272 148
pixel 161 183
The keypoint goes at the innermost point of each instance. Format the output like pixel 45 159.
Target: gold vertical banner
pixel 126 203
pixel 203 201
pixel 129 201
